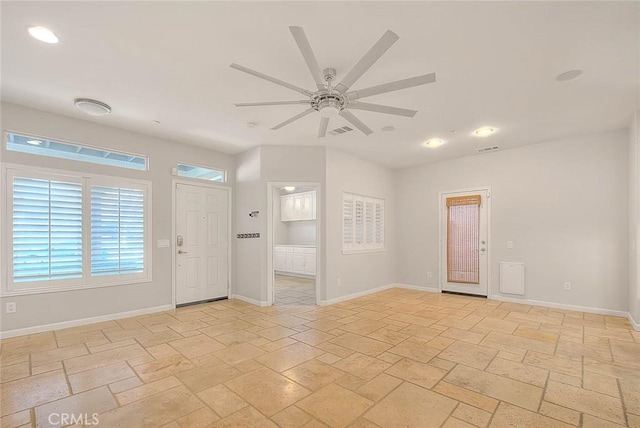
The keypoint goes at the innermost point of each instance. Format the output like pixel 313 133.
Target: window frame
pixel 197 179
pixel 363 247
pixel 11 288
pixel 6 132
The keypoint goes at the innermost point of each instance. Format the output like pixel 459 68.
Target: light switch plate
pixel 163 243
pixel 509 244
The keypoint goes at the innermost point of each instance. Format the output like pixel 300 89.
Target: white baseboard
pixel 417 287
pixel 634 324
pixel 249 300
pixel 355 295
pixel 83 321
pixel 563 306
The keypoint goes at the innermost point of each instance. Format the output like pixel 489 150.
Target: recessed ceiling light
pixel 434 142
pixel 568 75
pixel 157 122
pixel 43 34
pixel 34 142
pixel 485 131
pixel 289 188
pixel 251 125
pixel 388 128
pixel 92 107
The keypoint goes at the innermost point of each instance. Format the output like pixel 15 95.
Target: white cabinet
pixel 292 259
pixel 298 206
pixel 280 258
pixel 309 261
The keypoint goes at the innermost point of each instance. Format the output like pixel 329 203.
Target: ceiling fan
pixel 332 101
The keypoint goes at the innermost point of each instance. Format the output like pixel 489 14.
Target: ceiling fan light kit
pixel 333 101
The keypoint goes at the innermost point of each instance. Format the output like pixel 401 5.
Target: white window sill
pixel 363 251
pixel 62 288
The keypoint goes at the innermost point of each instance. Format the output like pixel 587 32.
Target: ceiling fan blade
pixel 324 122
pixel 393 86
pixel 272 79
pixel 272 103
pixel 355 122
pixel 386 41
pixel 294 118
pixel 307 54
pixel 382 109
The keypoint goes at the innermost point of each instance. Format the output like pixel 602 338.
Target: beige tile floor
pixel 398 358
pixel 291 290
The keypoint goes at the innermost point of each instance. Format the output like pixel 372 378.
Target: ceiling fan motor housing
pixel 329 103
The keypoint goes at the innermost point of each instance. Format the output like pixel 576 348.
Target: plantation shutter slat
pixel 47 230
pixel 463 236
pixel 379 225
pixel 117 230
pixel 363 222
pixel 347 221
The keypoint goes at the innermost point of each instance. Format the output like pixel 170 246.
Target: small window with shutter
pixel 362 223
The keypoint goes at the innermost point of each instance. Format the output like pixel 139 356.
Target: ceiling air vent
pixel 487 149
pixel 342 130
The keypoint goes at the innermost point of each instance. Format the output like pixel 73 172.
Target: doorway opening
pixel 464 241
pixel 293 244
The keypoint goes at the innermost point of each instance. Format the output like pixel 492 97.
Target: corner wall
pixel 255 168
pixel 48 308
pixel 358 273
pixel 563 204
pixel 634 220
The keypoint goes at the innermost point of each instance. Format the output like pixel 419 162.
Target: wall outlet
pixel 338 282
pixel 429 275
pixel 11 308
pixel 509 244
pixel 567 286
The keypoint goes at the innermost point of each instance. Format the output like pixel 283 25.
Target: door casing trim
pixel 172 246
pixel 442 274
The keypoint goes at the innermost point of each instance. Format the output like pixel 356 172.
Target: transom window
pixel 201 173
pixel 71 151
pixel 66 231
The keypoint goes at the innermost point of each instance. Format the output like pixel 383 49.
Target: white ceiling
pixel 496 65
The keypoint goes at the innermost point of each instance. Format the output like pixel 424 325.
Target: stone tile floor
pixel 395 358
pixel 291 290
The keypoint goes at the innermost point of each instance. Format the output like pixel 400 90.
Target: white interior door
pixel 202 243
pixel 465 242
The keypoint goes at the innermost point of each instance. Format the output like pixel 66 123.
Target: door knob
pixel 483 249
pixel 182 252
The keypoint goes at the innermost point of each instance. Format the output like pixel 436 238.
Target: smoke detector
pixel 92 107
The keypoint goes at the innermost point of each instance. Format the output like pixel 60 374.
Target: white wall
pixel 563 203
pixel 634 219
pixel 357 272
pixel 280 229
pixel 41 309
pixel 255 168
pixel 301 232
pixel 250 196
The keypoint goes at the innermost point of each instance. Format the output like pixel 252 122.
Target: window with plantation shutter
pixel 47 229
pixel 117 230
pixel 69 232
pixel 363 223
